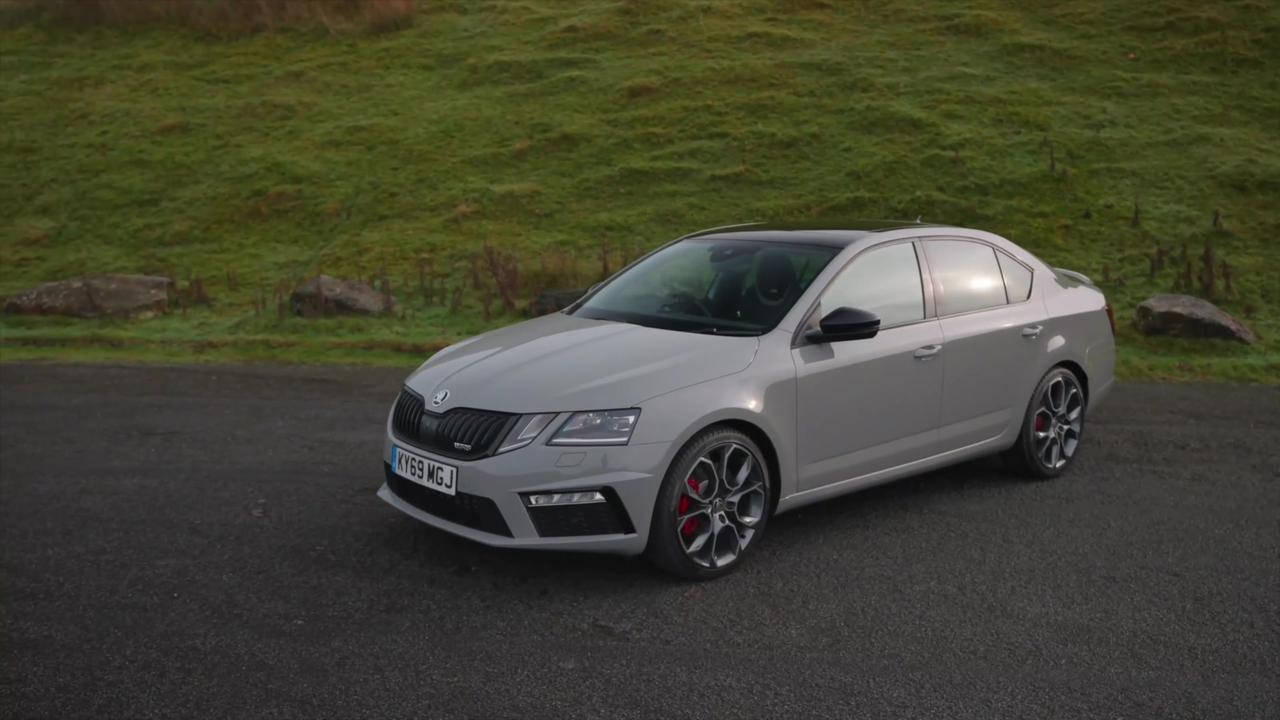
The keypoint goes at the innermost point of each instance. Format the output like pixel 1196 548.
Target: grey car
pixel 741 372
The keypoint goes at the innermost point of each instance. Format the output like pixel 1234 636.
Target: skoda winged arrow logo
pixel 438 399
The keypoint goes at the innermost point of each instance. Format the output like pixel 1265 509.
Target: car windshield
pixel 729 287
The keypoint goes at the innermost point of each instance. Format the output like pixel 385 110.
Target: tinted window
pixel 1017 278
pixel 966 276
pixel 705 285
pixel 885 281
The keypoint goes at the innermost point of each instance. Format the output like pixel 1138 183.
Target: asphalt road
pixel 201 542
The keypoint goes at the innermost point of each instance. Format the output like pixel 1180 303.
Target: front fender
pixel 767 404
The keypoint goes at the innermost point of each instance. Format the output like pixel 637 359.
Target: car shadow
pixel 444 555
pixel 971 479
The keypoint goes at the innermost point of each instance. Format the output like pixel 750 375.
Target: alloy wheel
pixel 722 503
pixel 1058 421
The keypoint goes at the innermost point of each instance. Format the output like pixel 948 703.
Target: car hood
pixel 560 363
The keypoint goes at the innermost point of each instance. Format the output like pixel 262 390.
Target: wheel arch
pixel 1078 370
pixel 766 445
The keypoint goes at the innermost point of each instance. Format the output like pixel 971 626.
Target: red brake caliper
pixel 690 526
pixel 1042 423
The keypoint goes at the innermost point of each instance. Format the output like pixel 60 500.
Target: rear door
pixel 867 405
pixel 994 336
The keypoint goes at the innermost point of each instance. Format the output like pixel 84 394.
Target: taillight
pixel 1111 317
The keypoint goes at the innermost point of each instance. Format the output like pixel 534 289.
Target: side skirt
pixel 879 477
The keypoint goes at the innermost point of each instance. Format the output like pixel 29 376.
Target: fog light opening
pixel 565 498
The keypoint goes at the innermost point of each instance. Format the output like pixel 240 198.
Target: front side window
pixel 729 287
pixel 884 281
pixel 966 276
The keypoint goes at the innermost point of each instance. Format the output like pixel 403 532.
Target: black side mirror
pixel 845 323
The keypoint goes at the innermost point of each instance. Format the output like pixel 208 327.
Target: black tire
pixel 1032 455
pixel 667 542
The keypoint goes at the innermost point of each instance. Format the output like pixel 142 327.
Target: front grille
pixel 601 518
pixel 473 511
pixel 477 431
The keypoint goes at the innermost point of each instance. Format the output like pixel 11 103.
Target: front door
pixel 868 405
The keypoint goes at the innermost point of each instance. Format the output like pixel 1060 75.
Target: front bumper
pixel 490 507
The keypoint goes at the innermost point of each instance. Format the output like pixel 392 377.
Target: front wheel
pixel 713 505
pixel 1052 427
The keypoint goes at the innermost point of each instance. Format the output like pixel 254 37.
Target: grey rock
pixel 1190 317
pixel 136 296
pixel 324 295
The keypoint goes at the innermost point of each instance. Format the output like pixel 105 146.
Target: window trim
pixel 1031 286
pixel 995 248
pixel 926 289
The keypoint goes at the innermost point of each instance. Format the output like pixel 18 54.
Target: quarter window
pixel 966 276
pixel 1017 278
pixel 884 281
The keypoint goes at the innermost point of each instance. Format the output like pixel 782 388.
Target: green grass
pixel 555 128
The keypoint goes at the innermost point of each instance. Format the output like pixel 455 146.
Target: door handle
pixel 1032 331
pixel 926 352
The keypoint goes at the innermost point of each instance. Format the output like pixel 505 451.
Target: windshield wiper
pixel 723 331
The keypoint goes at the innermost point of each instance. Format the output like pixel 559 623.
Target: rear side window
pixel 883 280
pixel 1017 278
pixel 966 276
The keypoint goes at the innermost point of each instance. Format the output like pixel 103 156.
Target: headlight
pixel 525 430
pixel 597 427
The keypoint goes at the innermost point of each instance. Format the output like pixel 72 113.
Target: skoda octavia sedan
pixel 742 372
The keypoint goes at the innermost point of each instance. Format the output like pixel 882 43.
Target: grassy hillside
pixel 576 134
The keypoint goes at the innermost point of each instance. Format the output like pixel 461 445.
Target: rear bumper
pixel 490 506
pixel 1099 394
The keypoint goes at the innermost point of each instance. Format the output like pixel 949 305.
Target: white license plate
pixel 428 473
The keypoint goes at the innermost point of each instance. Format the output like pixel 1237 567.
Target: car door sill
pixel 879 477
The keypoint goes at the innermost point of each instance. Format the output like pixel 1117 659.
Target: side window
pixel 966 276
pixel 885 281
pixel 1017 278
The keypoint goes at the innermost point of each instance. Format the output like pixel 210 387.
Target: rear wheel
pixel 713 505
pixel 1052 427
